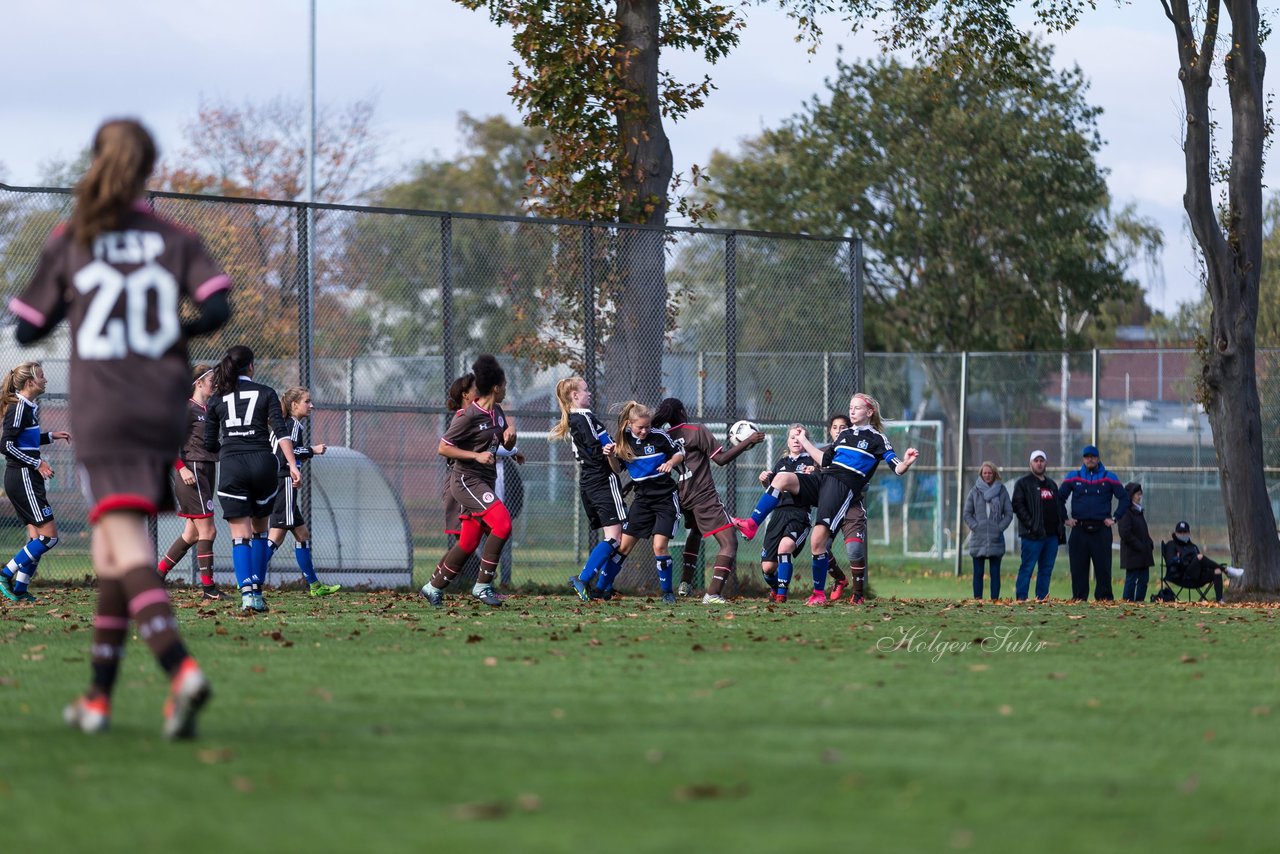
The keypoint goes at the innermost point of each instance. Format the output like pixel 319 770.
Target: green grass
pixel 370 722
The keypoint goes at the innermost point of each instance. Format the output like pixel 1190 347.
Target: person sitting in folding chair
pixel 1186 567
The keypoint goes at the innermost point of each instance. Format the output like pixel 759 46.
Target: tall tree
pixel 945 175
pixel 1223 202
pixel 591 76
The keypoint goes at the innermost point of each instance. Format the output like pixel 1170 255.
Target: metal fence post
pixel 588 348
pixel 1096 405
pixel 960 455
pixel 731 359
pixel 306 320
pixel 858 345
pixel 446 298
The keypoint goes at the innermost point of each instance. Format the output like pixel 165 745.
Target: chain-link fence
pixel 392 305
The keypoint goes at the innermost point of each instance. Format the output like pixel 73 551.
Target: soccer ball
pixel 741 430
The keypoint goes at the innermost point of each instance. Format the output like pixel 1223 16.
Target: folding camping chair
pixel 1176 589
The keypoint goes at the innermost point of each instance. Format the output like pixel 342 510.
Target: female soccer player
pixel 118 273
pixel 470 442
pixel 461 392
pixel 789 524
pixel 286 517
pixel 194 489
pixel 242 418
pixel 650 456
pixel 24 476
pixel 704 512
pixel 850 462
pixel 597 481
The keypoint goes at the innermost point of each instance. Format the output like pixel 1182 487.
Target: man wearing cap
pixel 1035 504
pixel 1091 489
pixel 1186 566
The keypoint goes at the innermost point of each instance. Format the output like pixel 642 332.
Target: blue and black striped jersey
pixel 589 438
pixel 301 451
pixel 22 435
pixel 651 452
pixel 853 457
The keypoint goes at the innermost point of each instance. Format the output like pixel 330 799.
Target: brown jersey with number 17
pixel 130 379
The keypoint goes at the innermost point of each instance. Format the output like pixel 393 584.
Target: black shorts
pixel 834 501
pixel 195 501
pixel 247 485
pixel 789 521
pixel 810 489
pixel 25 488
pixel 652 515
pixel 284 511
pixel 602 499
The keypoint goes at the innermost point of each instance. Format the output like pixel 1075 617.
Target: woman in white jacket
pixel 987 512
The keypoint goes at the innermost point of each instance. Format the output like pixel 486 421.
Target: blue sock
pixel 820 571
pixel 302 551
pixel 599 555
pixel 610 571
pixel 6 572
pixel 261 557
pixel 665 572
pixel 785 568
pixel 765 505
pixel 242 563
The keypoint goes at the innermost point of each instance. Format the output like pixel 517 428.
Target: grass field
pixel 370 722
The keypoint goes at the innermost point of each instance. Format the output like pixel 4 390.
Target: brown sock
pixel 724 568
pixel 834 570
pixel 859 581
pixel 173 555
pixel 153 614
pixel 110 628
pixel 204 560
pixel 689 567
pixel 448 568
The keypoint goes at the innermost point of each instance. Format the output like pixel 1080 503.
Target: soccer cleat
pixel 685 588
pixel 6 587
pixel 488 597
pixel 88 715
pixel 838 590
pixel 817 599
pixel 212 594
pixel 857 600
pixel 669 598
pixel 28 596
pixel 601 595
pixel 432 595
pixel 780 598
pixel 318 588
pixel 747 526
pixel 1233 571
pixel 580 587
pixel 713 599
pixel 188 692
pixel 260 604
pixel 246 604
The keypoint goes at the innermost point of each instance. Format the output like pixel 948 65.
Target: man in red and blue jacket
pixel 1091 489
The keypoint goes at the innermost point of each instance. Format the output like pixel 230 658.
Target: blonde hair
pixel 14 381
pixel 200 370
pixel 564 388
pixel 631 411
pixel 876 421
pixel 995 468
pixel 290 397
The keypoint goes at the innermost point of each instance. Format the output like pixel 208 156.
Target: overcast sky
pixel 70 63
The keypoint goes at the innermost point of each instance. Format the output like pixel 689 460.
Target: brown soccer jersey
pixel 477 429
pixel 193 449
pixel 700 445
pixel 129 378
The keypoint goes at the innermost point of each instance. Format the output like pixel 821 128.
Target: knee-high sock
pixel 665 572
pixel 820 563
pixel 177 549
pixel 204 560
pixel 261 557
pixel 785 570
pixel 611 571
pixel 724 569
pixel 242 563
pixel 110 628
pixel 150 609
pixel 302 554
pixel 765 505
pixel 689 560
pixel 596 560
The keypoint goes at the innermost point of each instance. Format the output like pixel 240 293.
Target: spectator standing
pixel 987 512
pixel 1091 488
pixel 1137 551
pixel 1035 503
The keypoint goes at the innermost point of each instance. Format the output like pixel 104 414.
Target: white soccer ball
pixel 742 430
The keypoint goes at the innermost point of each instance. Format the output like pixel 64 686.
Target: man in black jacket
pixel 1040 527
pixel 1187 567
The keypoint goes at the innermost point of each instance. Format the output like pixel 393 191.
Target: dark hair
pixel 670 412
pixel 238 360
pixel 459 387
pixel 1132 486
pixel 489 374
pixel 831 419
pixel 123 156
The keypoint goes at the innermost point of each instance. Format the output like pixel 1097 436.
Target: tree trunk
pixel 1233 260
pixel 633 353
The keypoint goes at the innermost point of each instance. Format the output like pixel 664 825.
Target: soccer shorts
pixel 652 515
pixel 473 495
pixel 705 513
pixel 789 521
pixel 284 511
pixel 138 482
pixel 196 500
pixel 602 499
pixel 25 488
pixel 247 485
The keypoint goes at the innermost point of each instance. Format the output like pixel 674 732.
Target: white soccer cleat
pixel 1233 571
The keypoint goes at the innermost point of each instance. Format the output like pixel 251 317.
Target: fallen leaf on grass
pixel 1209 735
pixel 215 755
pixel 1187 659
pixel 327 696
pixel 1259 711
pixel 709 791
pixel 1006 710
pixel 1093 702
pixel 1190 784
pixel 722 683
pixel 1076 616
pixel 258 668
pixel 978 668
pixel 1057 675
pixel 474 638
pixel 242 784
pixel 529 802
pixel 831 756
pixel 490 661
